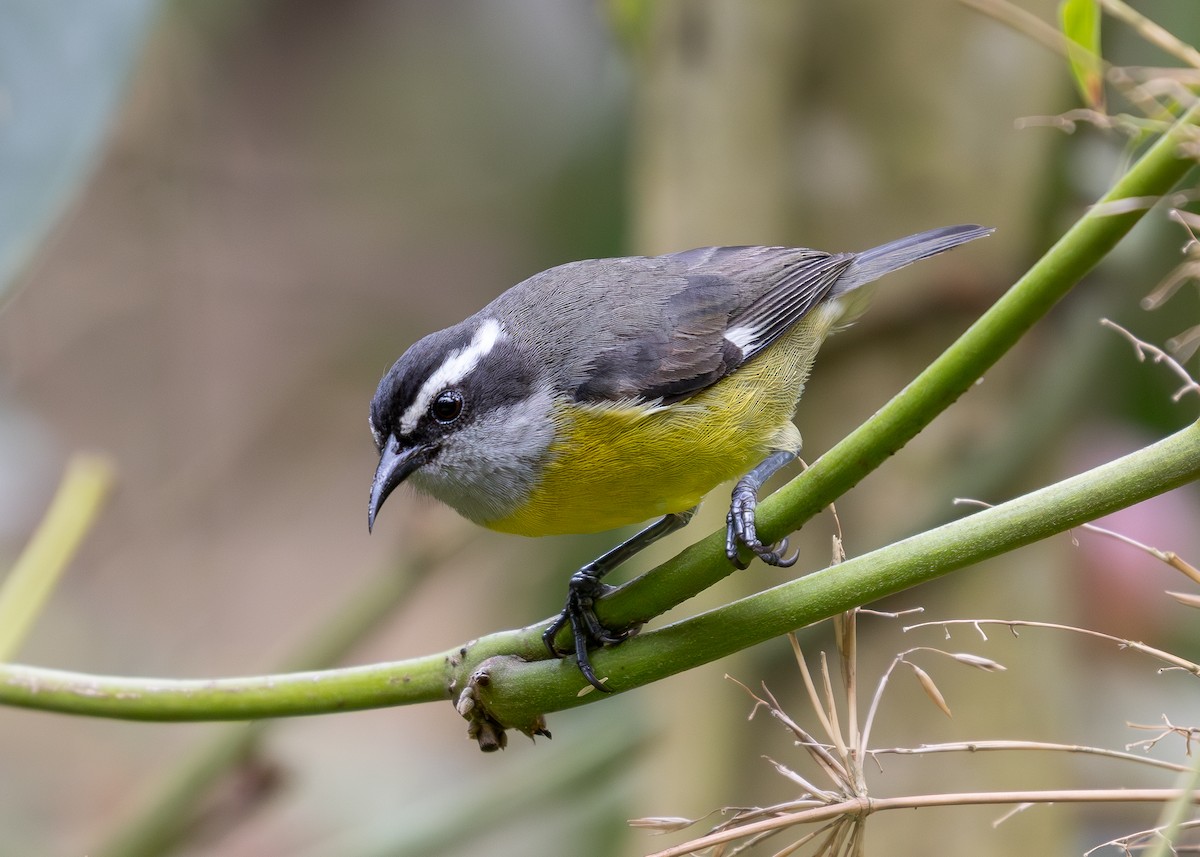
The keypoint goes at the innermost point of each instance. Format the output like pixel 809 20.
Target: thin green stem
pixel 25 591
pixel 251 698
pixel 1175 813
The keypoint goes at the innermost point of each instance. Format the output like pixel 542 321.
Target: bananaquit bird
pixel 605 392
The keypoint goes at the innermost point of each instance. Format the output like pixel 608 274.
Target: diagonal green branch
pixel 516 691
pixel 441 676
pixel 951 375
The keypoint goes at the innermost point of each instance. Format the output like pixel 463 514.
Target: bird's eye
pixel 447 407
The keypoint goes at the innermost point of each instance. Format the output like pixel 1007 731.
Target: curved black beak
pixel 396 463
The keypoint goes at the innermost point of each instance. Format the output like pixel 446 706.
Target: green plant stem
pixel 251 698
pixel 1150 471
pixel 84 487
pixel 519 690
pixel 1175 813
pixel 167 814
pixel 951 375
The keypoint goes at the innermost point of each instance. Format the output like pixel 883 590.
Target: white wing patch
pixel 457 366
pixel 743 335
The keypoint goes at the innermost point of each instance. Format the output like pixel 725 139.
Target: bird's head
pixel 462 413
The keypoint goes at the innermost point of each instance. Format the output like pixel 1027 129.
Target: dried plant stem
pixel 984 746
pixel 814 698
pixel 1168 557
pixel 846 628
pixel 1052 37
pixel 863 806
pixel 802 841
pixel 1130 842
pixel 835 732
pixel 1167 728
pixel 1023 22
pixel 819 752
pixel 1169 658
pixel 1158 356
pixel 1152 32
pixel 901 658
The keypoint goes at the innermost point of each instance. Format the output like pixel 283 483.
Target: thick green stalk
pixel 951 375
pixel 515 692
pixel 702 564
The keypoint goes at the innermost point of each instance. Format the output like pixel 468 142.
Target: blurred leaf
pixel 63 67
pixel 1080 21
pixel 631 21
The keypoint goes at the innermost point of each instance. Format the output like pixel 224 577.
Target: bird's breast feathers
pixel 619 462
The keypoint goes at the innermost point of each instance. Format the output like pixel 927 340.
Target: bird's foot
pixel 583 590
pixel 740 531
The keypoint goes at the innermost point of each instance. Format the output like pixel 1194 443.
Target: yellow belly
pixel 621 463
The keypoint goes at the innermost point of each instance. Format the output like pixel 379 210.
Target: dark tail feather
pixel 874 263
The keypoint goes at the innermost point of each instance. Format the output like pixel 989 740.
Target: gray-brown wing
pixel 725 306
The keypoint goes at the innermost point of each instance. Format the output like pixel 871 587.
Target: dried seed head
pixel 1186 598
pixel 931 689
pixel 985 664
pixel 662 824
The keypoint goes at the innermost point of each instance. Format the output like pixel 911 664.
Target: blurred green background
pixel 254 207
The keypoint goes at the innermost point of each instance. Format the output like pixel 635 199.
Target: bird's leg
pixel 739 523
pixel 585 588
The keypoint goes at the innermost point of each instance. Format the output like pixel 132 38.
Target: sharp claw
pixel 585 589
pixel 585 667
pixel 774 554
pixel 785 561
pixel 740 529
pixel 551 632
pixel 586 628
pixel 581 654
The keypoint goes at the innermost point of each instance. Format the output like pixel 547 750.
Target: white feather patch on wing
pixel 743 335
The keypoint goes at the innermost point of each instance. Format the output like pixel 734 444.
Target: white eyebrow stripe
pixel 457 365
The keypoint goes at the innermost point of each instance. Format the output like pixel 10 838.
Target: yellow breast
pixel 619 463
